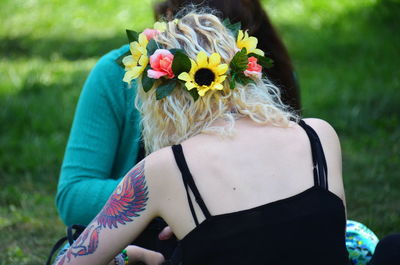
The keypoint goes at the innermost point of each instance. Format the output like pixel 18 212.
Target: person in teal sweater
pixel 103 144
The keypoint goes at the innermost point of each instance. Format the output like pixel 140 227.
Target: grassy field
pixel 346 54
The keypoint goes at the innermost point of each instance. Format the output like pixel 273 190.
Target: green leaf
pixel 234 28
pixel 132 35
pixel 232 82
pixel 152 46
pixel 244 80
pixel 174 51
pixel 165 89
pixel 265 62
pixel 226 22
pixel 119 59
pixel 193 92
pixel 239 61
pixel 181 63
pixel 147 82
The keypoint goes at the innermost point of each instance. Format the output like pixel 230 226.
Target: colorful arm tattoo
pixel 126 203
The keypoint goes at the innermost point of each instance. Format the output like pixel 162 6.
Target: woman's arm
pixel 101 147
pixel 127 212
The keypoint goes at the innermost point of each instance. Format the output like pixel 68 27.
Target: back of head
pixel 210 46
pixel 254 18
pixel 249 12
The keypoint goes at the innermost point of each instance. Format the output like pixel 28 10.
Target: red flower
pixel 253 68
pixel 161 64
pixel 151 33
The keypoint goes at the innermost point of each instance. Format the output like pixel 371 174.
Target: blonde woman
pixel 237 177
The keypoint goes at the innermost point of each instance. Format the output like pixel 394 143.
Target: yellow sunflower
pixel 205 73
pixel 138 60
pixel 250 43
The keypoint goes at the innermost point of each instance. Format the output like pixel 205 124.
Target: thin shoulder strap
pixel 320 167
pixel 189 183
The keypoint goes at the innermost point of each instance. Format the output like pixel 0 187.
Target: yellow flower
pixel 138 60
pixel 205 73
pixel 160 26
pixel 250 43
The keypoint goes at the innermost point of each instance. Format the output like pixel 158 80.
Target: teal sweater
pixel 103 143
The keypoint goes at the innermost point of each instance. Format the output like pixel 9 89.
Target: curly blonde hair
pixel 178 117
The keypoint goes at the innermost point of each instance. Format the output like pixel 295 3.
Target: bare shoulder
pixel 331 146
pixel 160 164
pixel 162 171
pixel 166 188
pixel 327 134
pixel 158 158
pixel 329 139
pixel 323 128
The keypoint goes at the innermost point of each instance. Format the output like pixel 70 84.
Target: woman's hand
pixel 166 233
pixel 136 254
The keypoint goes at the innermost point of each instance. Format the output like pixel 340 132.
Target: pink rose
pixel 161 64
pixel 151 33
pixel 253 68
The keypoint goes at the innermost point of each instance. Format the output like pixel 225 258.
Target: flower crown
pixel 148 61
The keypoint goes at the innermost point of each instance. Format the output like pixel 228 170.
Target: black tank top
pixel 305 229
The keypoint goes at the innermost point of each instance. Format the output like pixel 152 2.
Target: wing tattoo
pixel 127 201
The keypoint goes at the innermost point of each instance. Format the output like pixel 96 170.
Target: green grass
pixel 345 52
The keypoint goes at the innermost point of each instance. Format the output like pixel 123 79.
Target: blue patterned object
pixel 360 243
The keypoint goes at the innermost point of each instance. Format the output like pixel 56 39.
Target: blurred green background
pixel 346 52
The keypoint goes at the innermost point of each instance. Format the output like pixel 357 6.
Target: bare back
pixel 258 165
